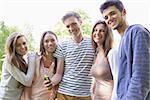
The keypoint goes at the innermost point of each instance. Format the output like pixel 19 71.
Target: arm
pixel 59 72
pixel 93 88
pixel 26 94
pixel 60 55
pixel 25 79
pixel 139 86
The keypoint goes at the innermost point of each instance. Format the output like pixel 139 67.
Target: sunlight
pixel 42 15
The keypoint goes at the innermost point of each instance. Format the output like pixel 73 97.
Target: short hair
pixel 70 14
pixel 117 3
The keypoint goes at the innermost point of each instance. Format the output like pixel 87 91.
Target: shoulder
pixel 87 38
pixel 64 43
pixel 6 61
pixel 113 51
pixel 136 28
pixel 31 54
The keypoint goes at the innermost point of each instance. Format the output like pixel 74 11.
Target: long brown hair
pixel 42 49
pixel 12 56
pixel 107 45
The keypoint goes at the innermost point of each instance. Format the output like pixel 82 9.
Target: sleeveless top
pixel 103 80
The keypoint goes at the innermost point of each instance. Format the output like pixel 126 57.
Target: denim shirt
pixel 134 64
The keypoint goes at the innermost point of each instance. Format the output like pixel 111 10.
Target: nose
pixel 22 46
pixel 70 29
pixel 49 43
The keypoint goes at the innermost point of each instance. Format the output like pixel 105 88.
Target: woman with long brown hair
pixel 45 65
pixel 103 80
pixel 16 71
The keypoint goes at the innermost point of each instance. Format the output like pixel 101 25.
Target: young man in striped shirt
pixel 75 58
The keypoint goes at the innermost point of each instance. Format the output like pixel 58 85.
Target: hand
pixel 47 83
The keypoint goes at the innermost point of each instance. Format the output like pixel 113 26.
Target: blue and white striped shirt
pixel 76 80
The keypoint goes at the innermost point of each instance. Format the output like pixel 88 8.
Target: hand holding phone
pixel 47 82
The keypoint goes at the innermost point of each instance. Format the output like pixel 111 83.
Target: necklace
pixel 47 71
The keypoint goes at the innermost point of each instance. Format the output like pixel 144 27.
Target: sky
pixel 42 15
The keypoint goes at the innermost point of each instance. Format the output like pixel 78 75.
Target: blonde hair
pixel 10 50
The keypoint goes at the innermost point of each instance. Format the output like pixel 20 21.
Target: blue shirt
pixel 134 64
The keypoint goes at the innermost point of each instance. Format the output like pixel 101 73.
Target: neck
pixel 122 29
pixel 49 56
pixel 100 50
pixel 77 38
pixel 47 60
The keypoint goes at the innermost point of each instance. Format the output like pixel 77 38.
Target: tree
pixel 4 33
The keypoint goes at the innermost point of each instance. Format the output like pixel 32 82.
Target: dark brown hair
pixel 42 50
pixel 117 3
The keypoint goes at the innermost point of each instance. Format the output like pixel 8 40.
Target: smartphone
pixel 47 78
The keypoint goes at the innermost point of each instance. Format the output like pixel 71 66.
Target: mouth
pixel 112 23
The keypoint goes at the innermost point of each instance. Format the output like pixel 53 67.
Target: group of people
pixel 81 68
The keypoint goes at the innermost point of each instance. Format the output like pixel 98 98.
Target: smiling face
pixel 114 17
pixel 73 25
pixel 49 43
pixel 98 34
pixel 21 46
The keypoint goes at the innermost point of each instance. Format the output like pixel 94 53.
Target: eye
pixel 102 30
pixel 95 30
pixel 74 24
pixel 112 13
pixel 52 40
pixel 67 26
pixel 24 43
pixel 106 17
pixel 46 41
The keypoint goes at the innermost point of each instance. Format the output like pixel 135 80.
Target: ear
pixel 80 21
pixel 123 12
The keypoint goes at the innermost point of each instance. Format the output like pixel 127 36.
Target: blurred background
pixel 33 17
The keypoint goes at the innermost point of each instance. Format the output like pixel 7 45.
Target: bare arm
pixel 59 72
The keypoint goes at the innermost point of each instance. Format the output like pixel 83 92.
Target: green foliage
pixel 28 32
pixel 86 26
pixel 4 33
pixel 59 29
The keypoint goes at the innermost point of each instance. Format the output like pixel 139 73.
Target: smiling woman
pixel 17 69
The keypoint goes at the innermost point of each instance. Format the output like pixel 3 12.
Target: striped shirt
pixel 76 80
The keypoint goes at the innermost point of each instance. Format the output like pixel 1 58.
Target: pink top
pixel 37 91
pixel 103 84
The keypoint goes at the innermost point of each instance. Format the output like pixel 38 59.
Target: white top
pixel 13 80
pixel 76 80
pixel 113 61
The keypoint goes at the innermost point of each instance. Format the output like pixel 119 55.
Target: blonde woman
pixel 16 71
